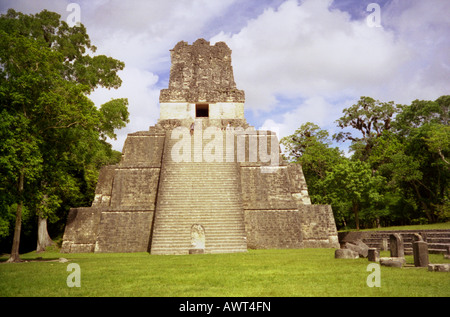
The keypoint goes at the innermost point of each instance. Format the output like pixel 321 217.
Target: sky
pixel 298 61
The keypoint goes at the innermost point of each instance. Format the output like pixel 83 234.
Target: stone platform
pixel 202 180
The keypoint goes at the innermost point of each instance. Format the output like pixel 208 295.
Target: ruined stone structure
pixel 202 180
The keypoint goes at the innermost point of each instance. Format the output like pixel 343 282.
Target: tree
pixel 352 181
pixel 370 118
pixel 310 147
pixel 422 128
pixel 46 75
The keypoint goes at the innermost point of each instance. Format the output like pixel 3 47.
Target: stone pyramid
pixel 202 180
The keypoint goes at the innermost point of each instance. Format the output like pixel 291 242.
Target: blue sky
pixel 297 61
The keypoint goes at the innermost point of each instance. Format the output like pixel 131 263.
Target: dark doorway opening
pixel 202 110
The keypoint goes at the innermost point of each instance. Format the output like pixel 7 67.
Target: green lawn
pixel 257 273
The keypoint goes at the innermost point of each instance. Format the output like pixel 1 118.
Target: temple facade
pixel 202 180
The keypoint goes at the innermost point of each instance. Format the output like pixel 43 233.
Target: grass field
pixel 257 273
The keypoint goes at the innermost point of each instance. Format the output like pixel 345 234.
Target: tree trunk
pixel 14 257
pixel 44 239
pixel 424 205
pixel 355 211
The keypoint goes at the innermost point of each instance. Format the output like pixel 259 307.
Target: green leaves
pixel 399 171
pixel 50 130
pixel 114 115
pixel 370 118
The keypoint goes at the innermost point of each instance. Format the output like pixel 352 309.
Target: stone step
pixel 188 221
pixel 198 185
pixel 211 201
pixel 177 208
pixel 167 228
pixel 211 196
pixel 214 217
pixel 176 232
pixel 192 203
pixel 186 240
pixel 218 220
pixel 210 241
pixel 437 240
pixel 171 251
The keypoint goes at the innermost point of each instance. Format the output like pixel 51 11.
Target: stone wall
pixel 318 226
pixel 201 73
pixel 271 217
pixel 124 231
pixel 266 190
pixel 246 191
pixel 297 183
pixel 135 187
pixel 121 216
pixel 81 230
pixel 103 190
pixel 185 110
pixel 276 207
pixel 142 149
pixel 437 239
pixel 273 229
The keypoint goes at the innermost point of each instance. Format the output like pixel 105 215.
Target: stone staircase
pixel 198 193
pixel 437 240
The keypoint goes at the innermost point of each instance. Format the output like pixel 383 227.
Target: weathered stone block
pixel 81 230
pixel 345 254
pixel 135 187
pixel 201 73
pixel 373 255
pixel 396 245
pixel 358 246
pixel 104 186
pixel 273 229
pixel 445 267
pixel 318 226
pixel 266 190
pixel 142 149
pixel 196 251
pixel 393 261
pixel 124 231
pixel 420 252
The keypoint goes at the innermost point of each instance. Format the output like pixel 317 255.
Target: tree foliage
pixel 398 172
pixel 54 136
pixel 370 118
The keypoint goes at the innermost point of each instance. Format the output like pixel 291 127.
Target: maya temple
pixel 201 180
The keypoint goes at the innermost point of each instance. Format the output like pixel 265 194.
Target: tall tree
pixel 422 128
pixel 352 181
pixel 370 118
pixel 46 75
pixel 310 146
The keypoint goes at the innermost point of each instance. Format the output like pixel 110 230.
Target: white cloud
pixel 315 109
pixel 301 50
pixel 304 50
pixel 141 33
pixel 138 87
pixel 423 27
